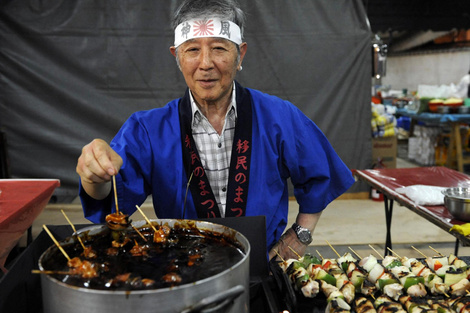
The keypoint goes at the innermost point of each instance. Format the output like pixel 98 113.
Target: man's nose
pixel 205 59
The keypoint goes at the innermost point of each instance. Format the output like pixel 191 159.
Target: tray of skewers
pixel 349 283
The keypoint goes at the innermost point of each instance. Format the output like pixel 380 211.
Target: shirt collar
pixel 195 110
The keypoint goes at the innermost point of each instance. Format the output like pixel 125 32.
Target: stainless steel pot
pixel 457 201
pixel 227 291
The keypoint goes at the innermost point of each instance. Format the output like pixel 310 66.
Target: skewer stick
pixel 321 257
pixel 357 254
pixel 393 252
pixel 51 272
pixel 115 194
pixel 146 218
pixel 74 230
pixel 56 242
pixel 282 259
pixel 380 256
pixel 424 255
pixel 295 252
pixel 440 254
pixel 141 235
pixel 186 193
pixel 73 227
pixel 333 249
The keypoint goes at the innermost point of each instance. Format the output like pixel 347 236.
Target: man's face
pixel 209 66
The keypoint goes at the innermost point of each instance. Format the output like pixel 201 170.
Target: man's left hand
pixel 288 247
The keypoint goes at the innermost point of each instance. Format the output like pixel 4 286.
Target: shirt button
pixel 219 145
pixel 224 189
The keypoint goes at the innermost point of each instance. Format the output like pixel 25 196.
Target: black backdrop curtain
pixel 74 70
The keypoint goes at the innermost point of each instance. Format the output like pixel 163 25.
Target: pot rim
pixel 238 236
pixel 457 193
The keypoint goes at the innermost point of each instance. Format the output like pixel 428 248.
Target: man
pixel 221 150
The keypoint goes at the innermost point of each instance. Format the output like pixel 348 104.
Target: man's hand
pixel 96 165
pixel 288 247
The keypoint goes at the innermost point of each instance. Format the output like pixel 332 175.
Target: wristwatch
pixel 302 233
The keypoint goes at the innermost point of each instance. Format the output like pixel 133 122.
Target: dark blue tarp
pixel 74 70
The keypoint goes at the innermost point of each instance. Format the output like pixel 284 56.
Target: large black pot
pixel 227 291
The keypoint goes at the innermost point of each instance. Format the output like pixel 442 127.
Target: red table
pixel 388 180
pixel 21 201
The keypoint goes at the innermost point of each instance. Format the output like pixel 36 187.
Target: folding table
pixel 387 181
pixel 21 201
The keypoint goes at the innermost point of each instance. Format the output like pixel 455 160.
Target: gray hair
pixel 224 9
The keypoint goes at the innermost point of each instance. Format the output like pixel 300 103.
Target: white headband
pixel 210 27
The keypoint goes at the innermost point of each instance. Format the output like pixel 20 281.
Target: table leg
pixel 458 146
pixel 29 237
pixel 454 154
pixel 388 221
pixel 451 149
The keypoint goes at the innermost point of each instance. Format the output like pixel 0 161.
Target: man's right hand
pixel 96 165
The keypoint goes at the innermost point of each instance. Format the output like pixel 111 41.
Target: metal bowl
pixel 457 201
pixel 464 110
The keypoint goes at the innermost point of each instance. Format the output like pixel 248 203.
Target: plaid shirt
pixel 215 150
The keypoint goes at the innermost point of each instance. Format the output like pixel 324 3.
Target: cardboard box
pixel 384 152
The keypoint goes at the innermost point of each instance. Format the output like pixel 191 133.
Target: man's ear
pixel 173 50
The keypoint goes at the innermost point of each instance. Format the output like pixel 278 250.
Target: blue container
pixel 404 122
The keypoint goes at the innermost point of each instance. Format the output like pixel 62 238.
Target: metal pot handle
pixel 220 300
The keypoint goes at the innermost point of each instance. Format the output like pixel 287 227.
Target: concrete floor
pixel 355 223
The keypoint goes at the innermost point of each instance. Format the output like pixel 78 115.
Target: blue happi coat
pixel 285 143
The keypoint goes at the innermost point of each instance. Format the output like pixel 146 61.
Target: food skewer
pixel 186 193
pixel 117 221
pixel 357 254
pixel 403 270
pixel 440 254
pixel 343 283
pixel 295 252
pixel 138 232
pixel 433 282
pixel 68 220
pixel 74 230
pixel 56 242
pixel 356 275
pixel 363 305
pixel 115 194
pixel 452 271
pixel 384 303
pixel 332 248
pixel 284 263
pixel 380 256
pixel 413 284
pixel 327 273
pixel 282 259
pixel 51 272
pixel 393 252
pixel 299 273
pixel 381 277
pixel 146 218
pixel 417 250
pixel 87 251
pixel 160 235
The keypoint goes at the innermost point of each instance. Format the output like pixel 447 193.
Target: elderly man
pixel 230 149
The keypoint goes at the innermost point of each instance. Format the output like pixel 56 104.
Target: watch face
pixel 304 236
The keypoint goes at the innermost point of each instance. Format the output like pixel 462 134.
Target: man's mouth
pixel 207 82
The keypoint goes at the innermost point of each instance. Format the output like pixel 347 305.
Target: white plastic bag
pixel 423 194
